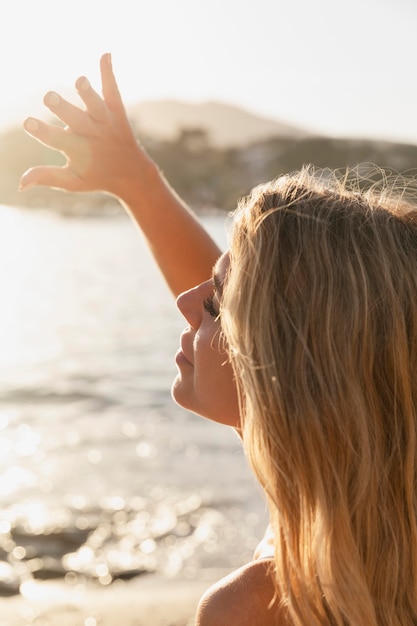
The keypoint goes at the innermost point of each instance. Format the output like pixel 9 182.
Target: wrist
pixel 137 180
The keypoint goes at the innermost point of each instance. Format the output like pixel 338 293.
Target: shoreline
pixel 149 601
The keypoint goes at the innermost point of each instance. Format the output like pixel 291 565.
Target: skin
pixel 102 154
pixel 244 598
pixel 205 382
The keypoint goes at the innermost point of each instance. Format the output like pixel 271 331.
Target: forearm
pixel 182 248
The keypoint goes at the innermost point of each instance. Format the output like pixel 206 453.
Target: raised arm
pixel 103 155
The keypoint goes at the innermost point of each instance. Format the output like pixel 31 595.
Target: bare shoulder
pixel 243 598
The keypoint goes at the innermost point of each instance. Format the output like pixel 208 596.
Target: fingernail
pixel 84 84
pixel 108 58
pixel 52 99
pixel 31 125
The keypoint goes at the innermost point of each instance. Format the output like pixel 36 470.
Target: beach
pixel 144 603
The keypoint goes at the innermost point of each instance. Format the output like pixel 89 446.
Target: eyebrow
pixel 217 283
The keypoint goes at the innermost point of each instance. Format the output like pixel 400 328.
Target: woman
pixel 304 338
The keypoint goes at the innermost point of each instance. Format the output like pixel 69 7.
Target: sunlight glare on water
pixel 102 477
pixel 27 244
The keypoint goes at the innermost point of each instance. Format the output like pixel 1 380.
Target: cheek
pixel 214 381
pixel 210 354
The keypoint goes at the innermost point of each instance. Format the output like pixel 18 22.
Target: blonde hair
pixel 320 314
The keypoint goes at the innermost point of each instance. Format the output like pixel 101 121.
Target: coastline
pixel 150 601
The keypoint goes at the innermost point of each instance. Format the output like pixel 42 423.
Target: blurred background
pixel 103 480
pixel 239 92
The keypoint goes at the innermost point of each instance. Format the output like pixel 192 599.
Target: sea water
pixel 102 476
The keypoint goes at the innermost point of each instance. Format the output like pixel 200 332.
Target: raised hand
pixel 102 154
pixel 101 151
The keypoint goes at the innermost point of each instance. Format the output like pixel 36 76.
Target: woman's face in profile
pixel 205 381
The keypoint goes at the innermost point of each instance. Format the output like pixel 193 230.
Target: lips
pixel 181 359
pixel 184 350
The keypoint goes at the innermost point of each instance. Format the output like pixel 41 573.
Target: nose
pixel 188 304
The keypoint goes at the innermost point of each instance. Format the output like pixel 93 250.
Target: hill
pixel 224 124
pixel 211 154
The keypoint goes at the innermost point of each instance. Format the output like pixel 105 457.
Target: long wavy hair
pixel 320 315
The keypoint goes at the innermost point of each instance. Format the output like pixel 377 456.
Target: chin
pixel 180 394
pixel 184 395
pixel 182 398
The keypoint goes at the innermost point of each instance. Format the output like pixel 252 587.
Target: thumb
pixel 50 176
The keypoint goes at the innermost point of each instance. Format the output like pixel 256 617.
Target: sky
pixel 339 68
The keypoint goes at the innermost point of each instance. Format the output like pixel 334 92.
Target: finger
pixel 95 105
pixel 110 88
pixel 50 176
pixel 54 137
pixel 71 115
